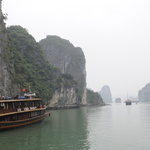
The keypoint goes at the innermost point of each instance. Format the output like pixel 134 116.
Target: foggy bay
pixel 112 127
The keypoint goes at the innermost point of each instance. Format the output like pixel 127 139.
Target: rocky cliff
pixel 33 70
pixel 6 61
pixel 69 59
pixel 144 93
pixel 64 97
pixel 106 94
pixel 22 65
pixel 94 98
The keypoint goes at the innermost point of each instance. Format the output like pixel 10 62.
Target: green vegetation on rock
pixel 94 98
pixel 68 58
pixel 31 69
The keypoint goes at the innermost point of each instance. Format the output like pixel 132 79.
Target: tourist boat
pixel 21 111
pixel 128 102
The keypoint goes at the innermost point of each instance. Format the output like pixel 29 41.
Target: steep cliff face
pixel 64 97
pixel 106 94
pixel 32 69
pixel 69 59
pixel 6 62
pixel 144 93
pixel 94 98
pixel 22 64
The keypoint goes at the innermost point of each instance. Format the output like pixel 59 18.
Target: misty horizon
pixel 114 36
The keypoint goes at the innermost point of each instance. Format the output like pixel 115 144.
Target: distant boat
pixel 128 102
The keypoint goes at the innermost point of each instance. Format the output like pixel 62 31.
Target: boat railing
pixel 20 109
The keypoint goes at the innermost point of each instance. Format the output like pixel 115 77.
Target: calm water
pixel 114 127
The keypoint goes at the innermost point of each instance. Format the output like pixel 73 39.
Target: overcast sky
pixel 113 34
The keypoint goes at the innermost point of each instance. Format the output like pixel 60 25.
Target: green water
pixel 115 127
pixel 63 130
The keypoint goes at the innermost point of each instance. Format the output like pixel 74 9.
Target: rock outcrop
pixel 94 98
pixel 22 64
pixel 6 63
pixel 69 59
pixel 118 100
pixel 32 69
pixel 144 93
pixel 106 94
pixel 64 97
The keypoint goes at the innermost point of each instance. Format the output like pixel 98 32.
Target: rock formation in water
pixel 118 100
pixel 32 69
pixel 144 93
pixel 94 98
pixel 69 59
pixel 106 94
pixel 22 64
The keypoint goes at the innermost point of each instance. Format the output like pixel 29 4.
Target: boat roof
pixel 20 100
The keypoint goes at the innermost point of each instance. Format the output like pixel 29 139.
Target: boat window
pixel 13 105
pixel 2 104
pixel 6 105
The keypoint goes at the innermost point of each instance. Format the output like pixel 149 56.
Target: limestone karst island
pixel 45 99
pixel 53 69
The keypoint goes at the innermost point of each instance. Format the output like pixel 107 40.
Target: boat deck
pixel 20 100
pixel 16 112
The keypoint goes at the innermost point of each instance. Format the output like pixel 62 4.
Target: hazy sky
pixel 113 34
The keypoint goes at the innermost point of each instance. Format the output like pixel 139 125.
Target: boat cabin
pixel 18 109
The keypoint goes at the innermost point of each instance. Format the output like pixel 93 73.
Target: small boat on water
pixel 128 102
pixel 21 111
